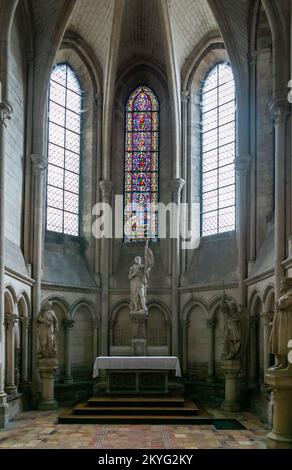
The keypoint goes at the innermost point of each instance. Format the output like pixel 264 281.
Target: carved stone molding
pixel 39 164
pixel 280 110
pixel 10 320
pixel 5 112
pixel 176 185
pixel 106 187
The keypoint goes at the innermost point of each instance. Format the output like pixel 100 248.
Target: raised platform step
pixel 185 409
pixel 136 401
pixel 68 417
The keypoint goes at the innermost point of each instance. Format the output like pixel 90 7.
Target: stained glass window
pixel 141 165
pixel 63 151
pixel 218 151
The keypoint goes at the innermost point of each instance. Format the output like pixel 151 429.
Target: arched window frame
pixel 217 188
pixel 152 219
pixel 77 171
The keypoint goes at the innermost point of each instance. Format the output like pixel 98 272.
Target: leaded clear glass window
pixel 64 131
pixel 141 165
pixel 218 151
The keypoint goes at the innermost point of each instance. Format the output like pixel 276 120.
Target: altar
pixel 137 374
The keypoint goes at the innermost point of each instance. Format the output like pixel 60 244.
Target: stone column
pixel 106 187
pixel 24 348
pixel 47 368
pixel 211 322
pixel 176 187
pixel 168 335
pixel 280 110
pixel 281 384
pixel 231 370
pixel 184 324
pixel 39 166
pixel 5 115
pixel 10 320
pixel 253 322
pixel 111 332
pixel 68 327
pixel 185 99
pixel 267 319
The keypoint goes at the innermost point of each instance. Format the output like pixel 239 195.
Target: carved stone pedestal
pixel 138 341
pixel 231 370
pixel 47 368
pixel 281 384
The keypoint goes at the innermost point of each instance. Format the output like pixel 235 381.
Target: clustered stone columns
pixel 280 110
pixel 253 325
pixel 106 187
pixel 39 166
pixel 211 323
pixel 24 348
pixel 5 115
pixel 176 186
pixel 68 327
pixel 267 319
pixel 10 320
pixel 184 324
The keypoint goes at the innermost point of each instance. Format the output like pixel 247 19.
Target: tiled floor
pixel 35 429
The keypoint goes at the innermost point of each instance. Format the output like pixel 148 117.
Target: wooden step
pixel 136 401
pixel 188 408
pixel 68 417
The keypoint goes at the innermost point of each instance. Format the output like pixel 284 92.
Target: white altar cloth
pixel 137 362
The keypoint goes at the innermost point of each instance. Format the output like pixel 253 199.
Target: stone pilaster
pixel 10 321
pixel 68 327
pixel 106 187
pixel 280 109
pixel 5 115
pixel 25 321
pixel 184 325
pixel 267 320
pixel 211 323
pixel 176 186
pixel 39 166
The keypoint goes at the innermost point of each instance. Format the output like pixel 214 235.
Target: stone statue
pixel 281 332
pixel 47 325
pixel 232 329
pixel 139 274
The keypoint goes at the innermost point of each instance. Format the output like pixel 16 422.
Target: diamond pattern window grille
pixel 218 151
pixel 64 135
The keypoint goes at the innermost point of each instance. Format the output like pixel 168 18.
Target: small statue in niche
pixel 281 332
pixel 47 325
pixel 232 329
pixel 139 274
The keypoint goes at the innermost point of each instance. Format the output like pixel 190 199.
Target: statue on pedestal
pixel 281 332
pixel 139 274
pixel 232 329
pixel 47 325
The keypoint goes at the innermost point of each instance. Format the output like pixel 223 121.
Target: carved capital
pixel 267 317
pixel 176 185
pixel 10 320
pixel 68 324
pixel 185 96
pixel 211 322
pixel 39 164
pixel 25 322
pixel 242 164
pixel 106 187
pixel 280 110
pixel 5 112
pixel 184 324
